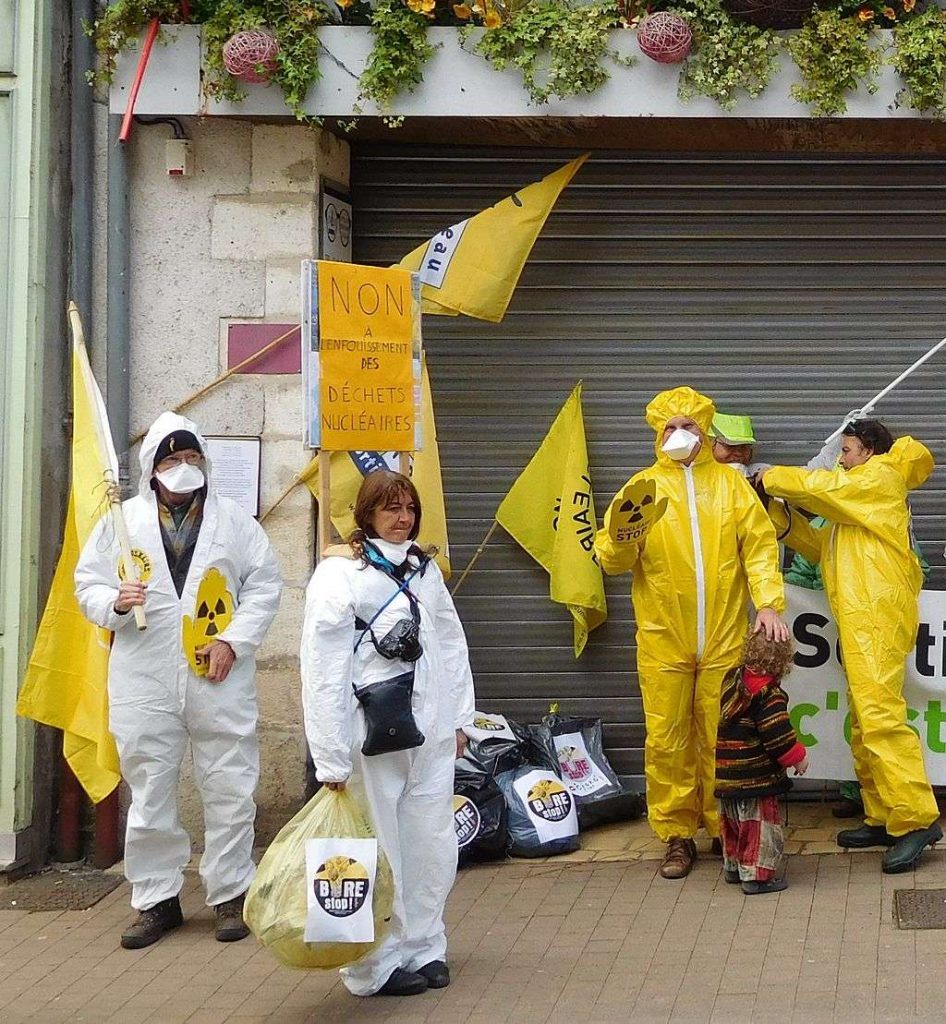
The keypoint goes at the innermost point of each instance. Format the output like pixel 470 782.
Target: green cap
pixel 732 429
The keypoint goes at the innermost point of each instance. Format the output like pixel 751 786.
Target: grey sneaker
pixel 152 923
pixel 230 926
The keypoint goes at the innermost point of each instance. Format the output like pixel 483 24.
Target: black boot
pixel 905 852
pixel 759 888
pixel 403 983
pixel 864 836
pixel 230 926
pixel 437 974
pixel 152 923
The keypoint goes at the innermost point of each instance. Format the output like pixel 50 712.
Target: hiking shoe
pixel 679 859
pixel 906 850
pixel 865 836
pixel 152 923
pixel 403 983
pixel 759 888
pixel 437 974
pixel 230 926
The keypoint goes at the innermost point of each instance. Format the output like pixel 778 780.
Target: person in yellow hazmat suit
pixel 699 545
pixel 872 579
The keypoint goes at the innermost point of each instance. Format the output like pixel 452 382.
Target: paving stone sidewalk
pixel 604 942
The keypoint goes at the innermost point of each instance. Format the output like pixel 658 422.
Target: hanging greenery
pixel 920 60
pixel 561 48
pixel 835 54
pixel 558 47
pixel 730 57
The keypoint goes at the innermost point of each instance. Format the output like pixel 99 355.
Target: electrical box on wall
pixel 179 154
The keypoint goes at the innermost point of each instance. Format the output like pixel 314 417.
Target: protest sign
pixel 817 687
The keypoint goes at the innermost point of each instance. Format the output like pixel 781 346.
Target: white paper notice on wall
pixel 340 876
pixel 235 467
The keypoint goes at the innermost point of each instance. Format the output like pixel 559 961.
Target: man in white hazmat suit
pixel 210 586
pixel 408 792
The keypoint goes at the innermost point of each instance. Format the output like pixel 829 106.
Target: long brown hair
pixel 376 491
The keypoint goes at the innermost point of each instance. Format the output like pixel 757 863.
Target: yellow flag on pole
pixel 348 469
pixel 473 267
pixel 66 679
pixel 550 511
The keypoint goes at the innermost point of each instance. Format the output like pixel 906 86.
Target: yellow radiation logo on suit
pixel 549 799
pixel 341 886
pixel 142 562
pixel 212 614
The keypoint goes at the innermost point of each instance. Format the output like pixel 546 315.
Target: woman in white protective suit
pixel 210 587
pixel 378 611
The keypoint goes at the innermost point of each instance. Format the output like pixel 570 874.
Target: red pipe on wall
pixel 150 37
pixel 71 799
pixel 106 849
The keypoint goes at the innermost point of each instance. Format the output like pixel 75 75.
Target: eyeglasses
pixel 192 458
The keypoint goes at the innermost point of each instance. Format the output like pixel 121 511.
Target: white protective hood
pixel 167 423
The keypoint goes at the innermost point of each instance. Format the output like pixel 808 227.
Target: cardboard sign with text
pixel 362 341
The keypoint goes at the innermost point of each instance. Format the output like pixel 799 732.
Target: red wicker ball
pixel 251 56
pixel 665 38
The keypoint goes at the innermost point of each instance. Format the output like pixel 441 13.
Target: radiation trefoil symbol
pixel 213 612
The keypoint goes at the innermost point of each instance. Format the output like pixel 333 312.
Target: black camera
pixel 401 641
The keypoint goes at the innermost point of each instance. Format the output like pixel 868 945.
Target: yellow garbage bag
pixel 276 903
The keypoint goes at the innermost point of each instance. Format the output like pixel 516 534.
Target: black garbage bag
pixel 627 805
pixel 579 751
pixel 494 745
pixel 479 817
pixel 542 817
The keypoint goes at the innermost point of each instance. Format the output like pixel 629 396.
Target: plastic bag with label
pixel 276 908
pixel 494 746
pixel 542 816
pixel 479 818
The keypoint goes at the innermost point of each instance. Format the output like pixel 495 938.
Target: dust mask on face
pixel 182 479
pixel 680 444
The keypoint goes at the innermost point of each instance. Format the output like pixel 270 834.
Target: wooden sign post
pixel 361 366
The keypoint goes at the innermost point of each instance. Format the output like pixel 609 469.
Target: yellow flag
pixel 66 679
pixel 474 266
pixel 550 511
pixel 348 469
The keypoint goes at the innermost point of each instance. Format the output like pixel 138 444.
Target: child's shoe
pixel 758 888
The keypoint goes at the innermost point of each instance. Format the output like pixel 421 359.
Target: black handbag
pixel 388 715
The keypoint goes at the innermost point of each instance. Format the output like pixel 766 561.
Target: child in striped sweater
pixel 755 745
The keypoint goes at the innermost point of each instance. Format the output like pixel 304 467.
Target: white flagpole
pixel 903 376
pixel 107 453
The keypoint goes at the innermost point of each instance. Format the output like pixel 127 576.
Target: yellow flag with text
pixel 550 511
pixel 66 683
pixel 348 469
pixel 473 267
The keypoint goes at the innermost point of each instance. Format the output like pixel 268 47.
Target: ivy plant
pixel 729 56
pixel 835 54
pixel 920 60
pixel 558 47
pixel 401 49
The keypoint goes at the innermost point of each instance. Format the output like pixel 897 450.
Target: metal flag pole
pixel 886 391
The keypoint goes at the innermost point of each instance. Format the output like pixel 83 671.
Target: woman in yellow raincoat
pixel 699 545
pixel 872 579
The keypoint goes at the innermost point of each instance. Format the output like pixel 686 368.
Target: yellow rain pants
pixel 872 579
pixel 693 575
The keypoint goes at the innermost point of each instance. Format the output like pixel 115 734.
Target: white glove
pixel 830 452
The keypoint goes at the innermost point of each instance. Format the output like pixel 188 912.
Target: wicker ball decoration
pixel 251 56
pixel 665 38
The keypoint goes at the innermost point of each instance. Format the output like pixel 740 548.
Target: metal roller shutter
pixel 790 288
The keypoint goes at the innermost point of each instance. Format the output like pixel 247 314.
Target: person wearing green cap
pixel 734 443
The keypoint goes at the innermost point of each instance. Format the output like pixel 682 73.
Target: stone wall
pixel 226 244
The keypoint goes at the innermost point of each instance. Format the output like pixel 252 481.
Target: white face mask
pixel 680 444
pixel 182 479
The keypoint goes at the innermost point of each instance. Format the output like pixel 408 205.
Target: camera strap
pixel 403 586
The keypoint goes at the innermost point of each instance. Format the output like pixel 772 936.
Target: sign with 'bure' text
pixel 817 688
pixel 361 357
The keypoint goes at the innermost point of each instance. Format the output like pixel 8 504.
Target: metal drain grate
pixel 920 908
pixel 58 890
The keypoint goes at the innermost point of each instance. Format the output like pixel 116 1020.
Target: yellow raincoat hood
pixel 911 459
pixel 682 401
